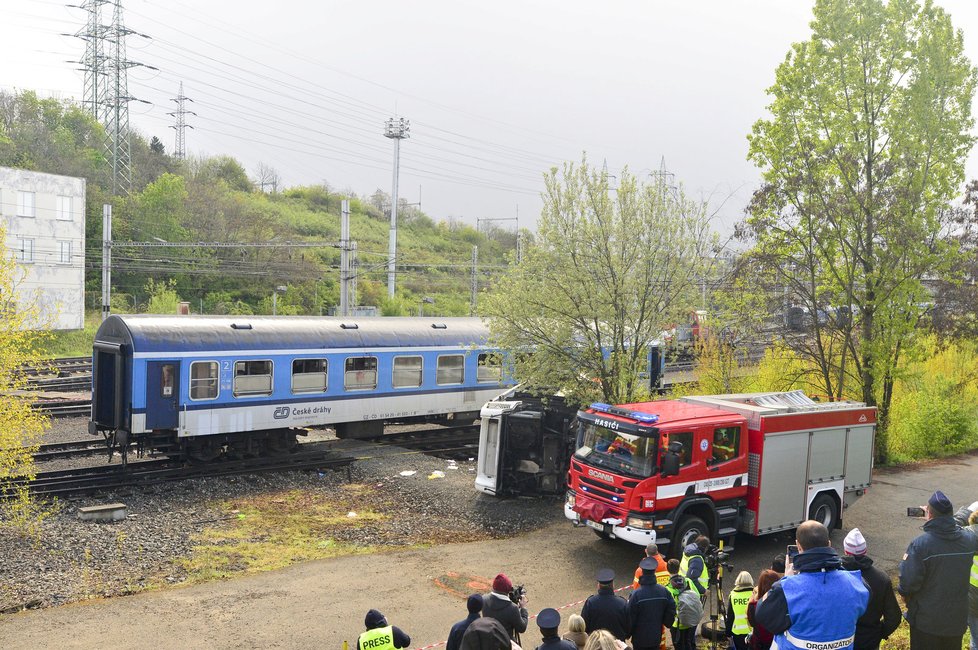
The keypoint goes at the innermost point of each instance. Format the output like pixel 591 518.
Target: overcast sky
pixel 496 92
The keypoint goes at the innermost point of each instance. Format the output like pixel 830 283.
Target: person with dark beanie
pixel 497 605
pixel 380 635
pixel 934 579
pixel 474 605
pixel 882 615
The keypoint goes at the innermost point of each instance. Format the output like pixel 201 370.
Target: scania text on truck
pixel 668 471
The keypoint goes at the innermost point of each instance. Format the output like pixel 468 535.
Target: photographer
pixel 507 606
pixel 693 565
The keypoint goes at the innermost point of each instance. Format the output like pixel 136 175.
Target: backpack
pixel 689 609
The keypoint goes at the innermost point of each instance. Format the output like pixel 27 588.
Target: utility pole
pixel 344 258
pixel 475 279
pixel 180 146
pixel 396 129
pixel 106 260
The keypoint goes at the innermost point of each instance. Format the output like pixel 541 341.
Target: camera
pixel 517 594
pixel 716 558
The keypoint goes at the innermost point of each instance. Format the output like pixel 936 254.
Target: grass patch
pixel 275 530
pixel 72 343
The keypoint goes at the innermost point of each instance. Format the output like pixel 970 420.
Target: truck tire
pixel 824 511
pixel 714 630
pixel 690 527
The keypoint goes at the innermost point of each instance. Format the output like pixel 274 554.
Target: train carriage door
pixel 162 394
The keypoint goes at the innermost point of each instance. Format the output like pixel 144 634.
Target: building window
pixel 64 252
pixel 64 208
pixel 490 367
pixel 309 375
pixel 252 378
pixel 203 380
pixel 25 250
pixel 360 374
pixel 25 204
pixel 451 369
pixel 407 372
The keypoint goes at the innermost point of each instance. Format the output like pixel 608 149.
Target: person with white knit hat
pixel 882 615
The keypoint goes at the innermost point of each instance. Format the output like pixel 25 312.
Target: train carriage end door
pixel 162 394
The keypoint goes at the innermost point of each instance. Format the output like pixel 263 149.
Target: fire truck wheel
pixel 824 511
pixel 689 529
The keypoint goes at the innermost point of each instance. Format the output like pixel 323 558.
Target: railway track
pixel 152 472
pixel 452 443
pixel 70 449
pixel 64 408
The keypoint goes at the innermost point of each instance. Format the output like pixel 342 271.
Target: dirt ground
pixel 321 604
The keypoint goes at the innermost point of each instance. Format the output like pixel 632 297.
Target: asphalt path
pixel 321 604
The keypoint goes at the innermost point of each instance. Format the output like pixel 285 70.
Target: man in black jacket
pixel 474 605
pixel 934 579
pixel 650 608
pixel 605 610
pixel 882 615
pixel 497 605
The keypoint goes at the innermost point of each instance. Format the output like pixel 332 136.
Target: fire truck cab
pixel 671 470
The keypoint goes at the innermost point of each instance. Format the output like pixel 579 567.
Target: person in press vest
pixel 736 618
pixel 380 635
pixel 693 564
pixel 605 610
pixel 934 579
pixel 816 604
pixel 882 615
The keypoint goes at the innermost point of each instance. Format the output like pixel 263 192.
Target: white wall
pixel 54 272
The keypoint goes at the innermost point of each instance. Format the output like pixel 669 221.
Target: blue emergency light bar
pixel 639 416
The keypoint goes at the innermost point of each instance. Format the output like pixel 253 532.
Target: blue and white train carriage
pixel 202 384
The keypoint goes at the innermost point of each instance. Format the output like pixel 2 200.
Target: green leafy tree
pixel 863 152
pixel 609 270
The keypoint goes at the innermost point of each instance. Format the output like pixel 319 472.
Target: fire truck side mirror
pixel 670 459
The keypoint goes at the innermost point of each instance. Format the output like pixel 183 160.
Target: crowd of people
pixel 813 599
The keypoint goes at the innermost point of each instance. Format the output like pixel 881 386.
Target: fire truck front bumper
pixel 611 527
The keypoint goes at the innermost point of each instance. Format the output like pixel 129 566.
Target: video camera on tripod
pixel 716 558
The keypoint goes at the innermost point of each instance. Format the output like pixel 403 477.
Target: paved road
pixel 319 604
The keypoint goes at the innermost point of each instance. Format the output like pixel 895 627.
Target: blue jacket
pixel 934 577
pixel 820 604
pixel 556 643
pixel 650 607
pixel 606 611
pixel 455 636
pixel 697 565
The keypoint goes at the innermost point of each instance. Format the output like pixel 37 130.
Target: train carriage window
pixel 252 378
pixel 361 373
pixel 451 369
pixel 490 367
pixel 166 380
pixel 407 372
pixel 309 375
pixel 203 380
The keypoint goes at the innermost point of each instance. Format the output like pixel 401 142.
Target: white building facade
pixel 44 217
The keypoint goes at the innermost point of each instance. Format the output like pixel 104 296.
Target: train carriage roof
pixel 164 334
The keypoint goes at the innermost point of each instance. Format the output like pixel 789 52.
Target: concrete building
pixel 44 217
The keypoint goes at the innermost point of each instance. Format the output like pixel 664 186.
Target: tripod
pixel 717 605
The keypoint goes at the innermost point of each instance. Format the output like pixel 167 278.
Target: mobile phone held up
pixel 792 552
pixel 915 511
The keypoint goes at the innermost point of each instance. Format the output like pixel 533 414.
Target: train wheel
pixel 281 443
pixel 203 450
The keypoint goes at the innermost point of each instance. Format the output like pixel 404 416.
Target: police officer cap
pixel 548 618
pixel 648 564
pixel 940 504
pixel 605 575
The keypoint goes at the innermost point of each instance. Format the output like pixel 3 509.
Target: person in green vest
pixel 380 635
pixel 689 611
pixel 737 625
pixel 693 565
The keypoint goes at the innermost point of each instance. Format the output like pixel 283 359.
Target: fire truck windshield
pixel 616 450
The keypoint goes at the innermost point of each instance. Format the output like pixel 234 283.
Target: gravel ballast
pixel 74 560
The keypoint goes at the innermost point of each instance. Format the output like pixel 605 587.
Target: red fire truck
pixel 670 470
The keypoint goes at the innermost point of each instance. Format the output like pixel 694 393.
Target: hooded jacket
pixel 773 613
pixel 882 615
pixel 501 608
pixel 375 619
pixel 934 577
pixel 485 634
